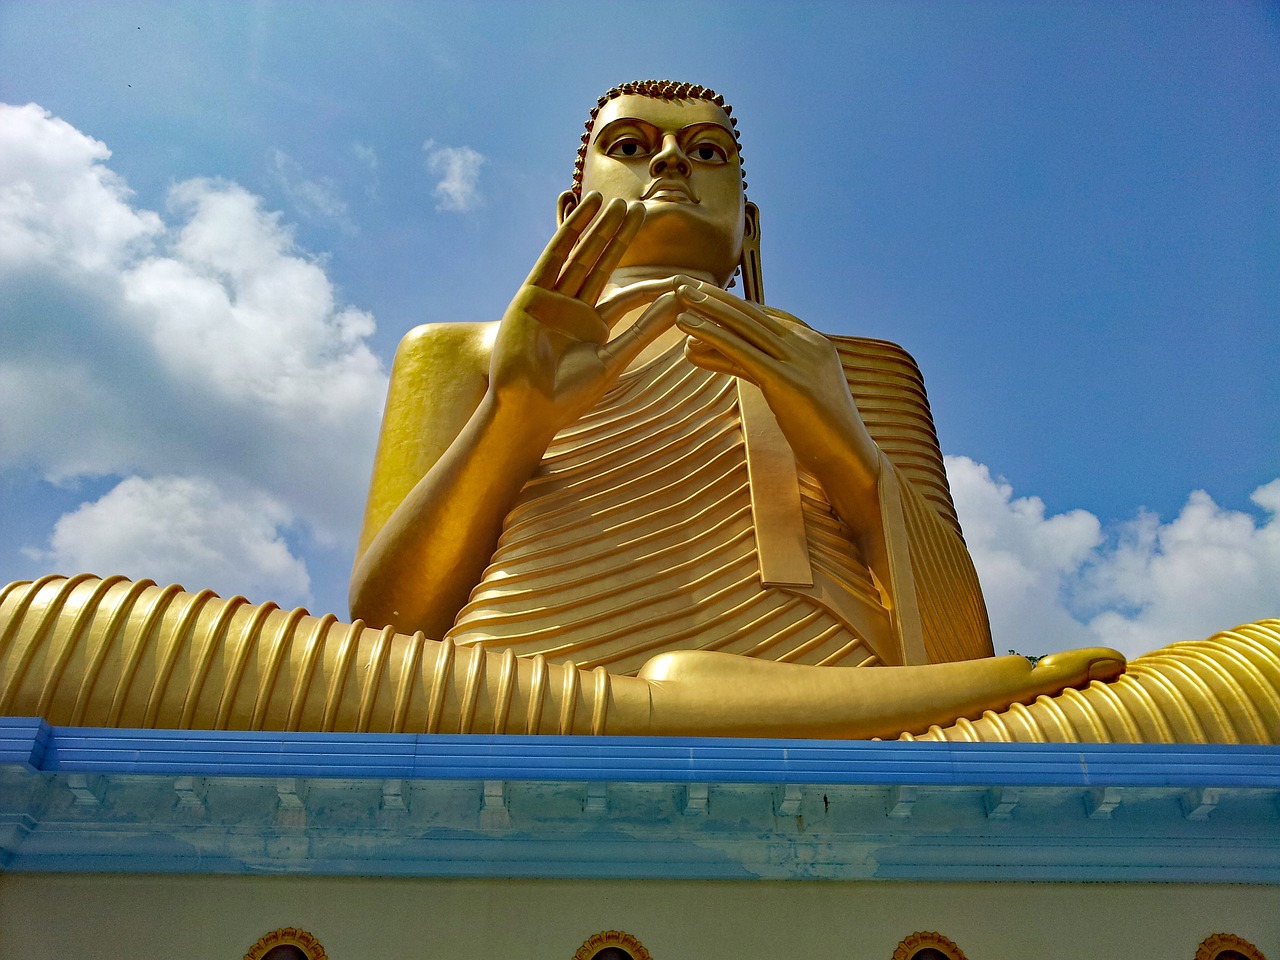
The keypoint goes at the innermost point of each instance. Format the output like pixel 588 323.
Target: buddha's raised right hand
pixel 548 362
pixel 552 359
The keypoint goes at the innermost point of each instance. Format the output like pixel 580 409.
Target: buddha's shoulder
pixel 455 346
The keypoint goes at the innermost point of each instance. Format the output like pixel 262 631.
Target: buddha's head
pixel 674 147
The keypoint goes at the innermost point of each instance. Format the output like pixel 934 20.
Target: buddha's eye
pixel 709 153
pixel 627 147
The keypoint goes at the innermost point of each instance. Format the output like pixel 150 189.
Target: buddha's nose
pixel 670 159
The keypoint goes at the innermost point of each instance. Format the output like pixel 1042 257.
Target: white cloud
pixel 235 310
pixel 1206 570
pixel 187 531
pixel 60 207
pixel 366 155
pixel 369 157
pixel 314 198
pixel 200 343
pixel 459 170
pixel 1062 581
pixel 1024 559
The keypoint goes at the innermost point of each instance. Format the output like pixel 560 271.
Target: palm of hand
pixel 552 355
pixel 547 355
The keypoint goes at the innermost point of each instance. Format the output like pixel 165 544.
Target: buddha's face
pixel 680 159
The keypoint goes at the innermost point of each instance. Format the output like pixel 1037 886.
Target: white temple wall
pixel 96 917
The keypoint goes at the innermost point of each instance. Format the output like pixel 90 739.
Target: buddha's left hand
pixel 800 375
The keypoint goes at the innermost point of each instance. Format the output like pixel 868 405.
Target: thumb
pixel 633 295
pixel 626 346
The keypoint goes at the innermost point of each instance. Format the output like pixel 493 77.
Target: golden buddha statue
pixel 544 488
pixel 637 504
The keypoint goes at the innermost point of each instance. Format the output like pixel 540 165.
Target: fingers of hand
pixel 627 345
pixel 766 322
pixel 547 269
pixel 745 324
pixel 609 259
pixel 634 295
pixel 702 354
pixel 589 249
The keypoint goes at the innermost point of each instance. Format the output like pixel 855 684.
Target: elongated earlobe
pixel 752 279
pixel 565 205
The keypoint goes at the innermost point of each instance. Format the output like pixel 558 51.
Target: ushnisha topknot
pixel 659 90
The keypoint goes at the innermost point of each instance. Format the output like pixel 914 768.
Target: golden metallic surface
pixel 777 512
pixel 1225 689
pixel 637 536
pixel 84 650
pixel 634 462
pixel 90 651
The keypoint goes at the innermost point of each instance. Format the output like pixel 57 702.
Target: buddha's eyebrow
pixel 706 126
pixel 608 128
pixel 652 129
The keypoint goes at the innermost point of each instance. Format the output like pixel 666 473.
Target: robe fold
pixel 635 537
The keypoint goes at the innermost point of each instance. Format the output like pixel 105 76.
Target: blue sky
pixel 1068 212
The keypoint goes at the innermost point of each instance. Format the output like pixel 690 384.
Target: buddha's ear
pixel 565 204
pixel 752 276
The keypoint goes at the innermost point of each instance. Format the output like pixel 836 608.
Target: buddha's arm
pixel 857 419
pixel 800 374
pixel 450 461
pixel 469 416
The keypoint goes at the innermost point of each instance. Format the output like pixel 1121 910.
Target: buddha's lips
pixel 670 190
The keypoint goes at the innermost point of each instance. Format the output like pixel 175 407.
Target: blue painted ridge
pixel 24 741
pixel 501 864
pixel 37 746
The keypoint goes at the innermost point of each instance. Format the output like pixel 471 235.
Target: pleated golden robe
pixel 636 537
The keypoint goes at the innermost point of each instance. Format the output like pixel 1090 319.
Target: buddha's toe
pixel 1077 668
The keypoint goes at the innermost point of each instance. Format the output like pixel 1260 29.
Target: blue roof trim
pixel 37 746
pixel 23 741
